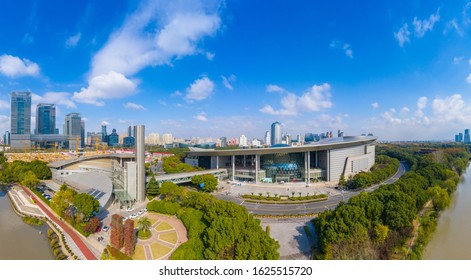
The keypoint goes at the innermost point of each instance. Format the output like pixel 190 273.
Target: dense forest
pixel 377 225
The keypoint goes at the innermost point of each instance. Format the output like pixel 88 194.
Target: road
pixel 75 237
pixel 309 207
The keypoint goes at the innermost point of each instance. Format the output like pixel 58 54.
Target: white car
pixel 140 212
pixel 130 209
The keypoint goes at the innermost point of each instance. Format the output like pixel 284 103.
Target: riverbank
pixel 25 207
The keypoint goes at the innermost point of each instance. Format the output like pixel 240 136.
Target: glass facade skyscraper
pixel 73 129
pixel 45 119
pixel 276 133
pixel 20 118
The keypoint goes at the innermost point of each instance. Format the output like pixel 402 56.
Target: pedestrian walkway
pixel 23 203
pixel 87 253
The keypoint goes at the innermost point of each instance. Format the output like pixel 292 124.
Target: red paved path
pixel 80 244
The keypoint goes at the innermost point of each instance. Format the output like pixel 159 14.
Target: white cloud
pixel 405 111
pixel 12 66
pixel 314 99
pixel 389 117
pixel 453 25
pixel 451 109
pixel 200 89
pixel 4 105
pixel 108 86
pixel 227 81
pixel 52 97
pixel 402 35
pixel 422 26
pixel 275 88
pixel 134 106
pixel 72 41
pixel 105 123
pixel 375 105
pixel 458 59
pixel 4 123
pixel 210 56
pixel 201 117
pixel 343 46
pixel 156 33
pixel 468 79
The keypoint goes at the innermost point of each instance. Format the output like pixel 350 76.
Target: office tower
pixel 276 133
pixel 103 133
pixel 457 138
pixel 73 129
pixel 140 161
pixel 130 131
pixel 45 119
pixel 20 113
pixel 82 133
pixel 113 138
pixel 153 139
pixel 267 138
pixel 6 138
pixel 467 136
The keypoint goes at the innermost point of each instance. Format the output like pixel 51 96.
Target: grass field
pixel 139 253
pixel 163 226
pixel 170 237
pixel 159 250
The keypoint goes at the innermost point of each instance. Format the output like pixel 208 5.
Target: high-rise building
pixel 82 133
pixel 6 138
pixel 113 138
pixel 20 119
pixel 242 141
pixel 267 138
pixel 45 119
pixel 130 131
pixel 467 136
pixel 276 133
pixel 223 142
pixel 140 162
pixel 73 129
pixel 167 138
pixel 103 133
pixel 153 139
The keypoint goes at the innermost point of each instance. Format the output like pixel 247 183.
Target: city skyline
pixel 398 70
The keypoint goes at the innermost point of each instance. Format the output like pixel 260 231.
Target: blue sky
pixel 398 69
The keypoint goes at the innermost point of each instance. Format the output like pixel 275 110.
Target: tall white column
pixel 257 167
pixel 233 168
pixel 308 168
pixel 217 162
pixel 140 161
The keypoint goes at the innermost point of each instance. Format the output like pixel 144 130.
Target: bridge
pixel 186 177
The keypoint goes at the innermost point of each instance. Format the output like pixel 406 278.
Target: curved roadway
pixel 309 207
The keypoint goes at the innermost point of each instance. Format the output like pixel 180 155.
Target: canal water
pixel 18 240
pixel 452 238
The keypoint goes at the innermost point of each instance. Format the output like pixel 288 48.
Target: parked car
pixel 105 228
pixel 130 209
pixel 98 229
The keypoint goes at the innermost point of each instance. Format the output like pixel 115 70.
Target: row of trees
pixel 373 225
pixel 206 183
pixel 216 229
pixel 384 168
pixel 174 164
pixel 26 173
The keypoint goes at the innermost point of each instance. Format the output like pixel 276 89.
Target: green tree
pixel 152 188
pixel 440 197
pixel 86 204
pixel 30 180
pixel 380 232
pixel 144 224
pixel 208 181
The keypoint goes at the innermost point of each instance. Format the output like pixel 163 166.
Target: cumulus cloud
pixel 335 44
pixel 72 41
pixel 210 56
pixel 227 81
pixel 275 88
pixel 201 117
pixel 200 89
pixel 4 105
pixel 468 79
pixel 105 123
pixel 314 99
pixel 422 26
pixel 134 106
pixel 13 67
pixel 52 97
pixel 375 105
pixel 156 33
pixel 107 86
pixel 402 35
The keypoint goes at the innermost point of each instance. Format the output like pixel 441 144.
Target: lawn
pixel 139 253
pixel 170 237
pixel 163 226
pixel 159 250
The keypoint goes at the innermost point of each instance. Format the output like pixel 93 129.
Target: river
pixel 452 238
pixel 18 240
